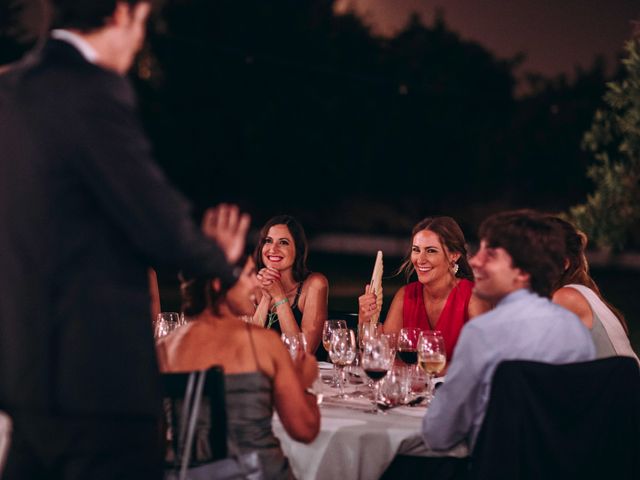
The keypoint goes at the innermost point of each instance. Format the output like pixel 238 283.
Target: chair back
pixel 210 439
pixel 572 421
pixel 5 438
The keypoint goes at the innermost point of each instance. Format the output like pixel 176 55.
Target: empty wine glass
pixel 392 338
pixel 342 352
pixel 165 323
pixel 431 357
pixel 394 387
pixel 295 342
pixel 368 330
pixel 327 330
pixel 376 361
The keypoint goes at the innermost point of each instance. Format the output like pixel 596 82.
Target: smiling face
pixel 430 258
pixel 279 249
pixel 495 275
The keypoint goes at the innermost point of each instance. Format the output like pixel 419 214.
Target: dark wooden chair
pixel 572 421
pixel 211 430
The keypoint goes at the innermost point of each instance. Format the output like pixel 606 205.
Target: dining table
pixel 354 443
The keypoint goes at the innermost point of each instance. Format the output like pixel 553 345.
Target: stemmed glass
pixel 377 360
pixel 431 357
pixel 342 352
pixel 407 345
pixel 165 324
pixel 368 330
pixel 327 330
pixel 295 343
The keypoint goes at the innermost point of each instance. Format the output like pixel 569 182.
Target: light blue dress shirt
pixel 522 326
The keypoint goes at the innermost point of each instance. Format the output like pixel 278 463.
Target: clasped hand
pixel 270 282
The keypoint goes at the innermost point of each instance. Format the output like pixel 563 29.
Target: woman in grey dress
pixel 259 373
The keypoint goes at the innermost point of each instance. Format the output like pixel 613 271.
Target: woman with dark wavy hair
pixel 441 298
pixel 577 291
pixel 291 298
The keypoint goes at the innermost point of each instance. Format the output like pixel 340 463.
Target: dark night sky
pixel 556 35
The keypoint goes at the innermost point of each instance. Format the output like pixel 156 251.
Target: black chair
pixel 210 442
pixel 352 322
pixel 573 421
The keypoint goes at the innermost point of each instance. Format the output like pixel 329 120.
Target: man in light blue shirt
pixel 519 261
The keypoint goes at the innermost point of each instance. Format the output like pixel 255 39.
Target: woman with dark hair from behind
pixel 259 372
pixel 441 298
pixel 291 298
pixel 576 291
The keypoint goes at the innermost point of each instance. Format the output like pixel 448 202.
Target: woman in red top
pixel 442 297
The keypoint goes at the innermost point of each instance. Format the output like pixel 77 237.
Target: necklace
pixel 272 316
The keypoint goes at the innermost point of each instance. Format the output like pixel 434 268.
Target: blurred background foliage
pixel 284 106
pixel 612 211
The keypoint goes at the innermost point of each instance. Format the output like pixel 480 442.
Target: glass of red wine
pixel 377 360
pixel 407 345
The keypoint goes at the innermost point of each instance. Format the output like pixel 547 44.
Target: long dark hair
pixel 299 270
pixel 197 293
pixel 450 235
pixel 576 266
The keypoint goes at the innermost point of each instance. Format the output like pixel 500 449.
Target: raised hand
pixel 228 228
pixel 367 305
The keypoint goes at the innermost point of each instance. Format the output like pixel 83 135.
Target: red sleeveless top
pixel 452 318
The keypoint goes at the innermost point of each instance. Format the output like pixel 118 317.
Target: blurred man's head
pixel 519 249
pixel 115 28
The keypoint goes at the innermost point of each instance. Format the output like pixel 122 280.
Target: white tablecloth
pixel 353 444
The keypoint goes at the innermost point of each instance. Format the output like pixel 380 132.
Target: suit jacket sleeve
pixel 117 167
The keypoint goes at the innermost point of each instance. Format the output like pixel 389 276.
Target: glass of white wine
pixel 431 356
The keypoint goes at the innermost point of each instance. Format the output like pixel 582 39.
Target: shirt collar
pixel 84 47
pixel 514 296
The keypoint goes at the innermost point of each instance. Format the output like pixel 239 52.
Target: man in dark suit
pixel 83 213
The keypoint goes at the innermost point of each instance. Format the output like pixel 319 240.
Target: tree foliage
pixel 614 141
pixel 285 106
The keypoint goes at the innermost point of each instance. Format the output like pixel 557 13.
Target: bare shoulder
pixel 264 337
pixel 570 298
pixel 316 280
pixel 400 293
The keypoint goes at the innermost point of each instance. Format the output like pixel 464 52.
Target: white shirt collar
pixel 84 47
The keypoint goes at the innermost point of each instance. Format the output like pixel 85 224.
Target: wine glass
pixel 368 330
pixel 376 362
pixel 394 387
pixel 392 338
pixel 296 343
pixel 431 357
pixel 327 330
pixel 407 345
pixel 342 352
pixel 165 323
